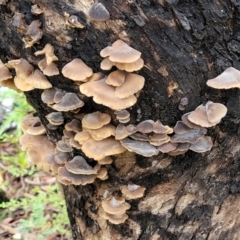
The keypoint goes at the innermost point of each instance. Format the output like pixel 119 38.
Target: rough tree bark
pixel 183 43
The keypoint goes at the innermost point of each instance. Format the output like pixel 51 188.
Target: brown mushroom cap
pixel 61 157
pixel 95 120
pixel 47 95
pixel 132 84
pixel 77 70
pixel 70 101
pixel 122 114
pixel 167 147
pixel 82 137
pixel 120 52
pixel 100 149
pixel 133 191
pixel 189 123
pixel 181 128
pixel 55 118
pixel 78 165
pixel 130 67
pixel 104 94
pixel 4 72
pixel 48 50
pixel 106 64
pixel 158 127
pixel 76 179
pixel 63 146
pixel 38 80
pixel 105 160
pixel 102 173
pixel 230 78
pixel 115 219
pixel 139 147
pixel 145 126
pixel 74 125
pixel 113 206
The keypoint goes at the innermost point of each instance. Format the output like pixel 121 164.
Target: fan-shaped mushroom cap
pixel 59 96
pixel 188 123
pixel 208 115
pixel 230 78
pixel 47 95
pixel 145 126
pixel 98 12
pixel 161 129
pixel 103 132
pixel 105 160
pixel 192 136
pixel 64 182
pixel 95 120
pixel 104 94
pixel 120 132
pixel 82 137
pixel 157 139
pixel 139 147
pixel 55 118
pixel 181 128
pixel 100 149
pixel 130 67
pixel 167 147
pixel 116 78
pixel 204 144
pixel 120 52
pixel 132 84
pixel 106 64
pixel 77 70
pixel 122 114
pixel 181 149
pixel 38 80
pixel 139 137
pixel 63 146
pixel 32 125
pixel 115 219
pixel 76 179
pixel 102 173
pixel 48 69
pixel 61 157
pixel 74 125
pixel 133 191
pixel 70 101
pixel 78 165
pixel 113 206
pixel 36 129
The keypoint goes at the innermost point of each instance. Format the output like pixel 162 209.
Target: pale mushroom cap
pixel 104 94
pixel 74 125
pixel 105 160
pixel 215 111
pixel 113 206
pixel 38 80
pixel 200 115
pixel 130 67
pixel 132 84
pixel 69 102
pixel 192 136
pixel 121 52
pixel 63 146
pixel 139 147
pixel 78 165
pixel 102 173
pixel 106 64
pixel 36 129
pixel 48 50
pixel 120 132
pixel 158 127
pixel 116 78
pixel 230 78
pixel 82 137
pixel 100 149
pixel 98 12
pixel 51 70
pixel 145 126
pixel 102 133
pixel 59 96
pixel 167 147
pixel 77 70
pixel 181 128
pixel 133 191
pixel 28 121
pixel 189 123
pixel 122 114
pixel 204 144
pixel 22 85
pixel 95 120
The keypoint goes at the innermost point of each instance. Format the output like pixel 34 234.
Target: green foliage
pixel 45 211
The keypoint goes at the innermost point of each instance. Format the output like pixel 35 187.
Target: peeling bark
pixel 183 43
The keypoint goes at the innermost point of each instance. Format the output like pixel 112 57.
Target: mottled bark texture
pixel 183 43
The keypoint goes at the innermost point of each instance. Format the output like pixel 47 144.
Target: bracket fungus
pixel 133 191
pixel 230 78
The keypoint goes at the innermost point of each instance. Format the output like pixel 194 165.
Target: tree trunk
pixel 183 43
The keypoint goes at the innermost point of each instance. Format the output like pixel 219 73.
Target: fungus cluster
pixel 94 133
pixel 32 33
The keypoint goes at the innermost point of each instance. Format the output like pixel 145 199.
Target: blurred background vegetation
pixel 31 203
